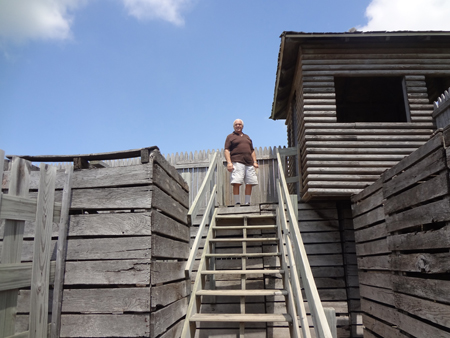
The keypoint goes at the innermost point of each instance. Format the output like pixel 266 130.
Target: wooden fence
pixel 38 273
pixel 193 168
pixel 441 112
pixel 402 232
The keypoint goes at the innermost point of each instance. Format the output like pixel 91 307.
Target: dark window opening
pixel 436 86
pixel 370 99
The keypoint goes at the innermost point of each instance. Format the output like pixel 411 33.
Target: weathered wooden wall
pixel 402 236
pixel 127 243
pixel 340 159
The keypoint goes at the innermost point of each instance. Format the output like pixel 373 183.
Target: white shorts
pixel 243 173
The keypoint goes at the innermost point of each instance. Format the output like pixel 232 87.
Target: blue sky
pixel 87 76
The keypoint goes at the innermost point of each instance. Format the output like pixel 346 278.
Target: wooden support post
pixel 40 277
pixel 80 163
pixel 61 255
pixel 145 156
pixel 330 313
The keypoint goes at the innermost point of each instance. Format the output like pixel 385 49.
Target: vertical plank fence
pixel 193 168
pixel 16 207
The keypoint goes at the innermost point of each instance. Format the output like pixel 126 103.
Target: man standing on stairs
pixel 241 161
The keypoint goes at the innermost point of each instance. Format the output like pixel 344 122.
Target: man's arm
pixel 255 163
pixel 228 158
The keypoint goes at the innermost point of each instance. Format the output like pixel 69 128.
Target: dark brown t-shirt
pixel 240 147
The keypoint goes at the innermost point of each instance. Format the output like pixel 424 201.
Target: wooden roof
pixel 291 41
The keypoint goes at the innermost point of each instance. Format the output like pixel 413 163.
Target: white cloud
pixel 395 15
pixel 22 20
pixel 168 10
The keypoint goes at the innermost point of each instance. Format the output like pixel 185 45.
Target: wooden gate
pixel 16 208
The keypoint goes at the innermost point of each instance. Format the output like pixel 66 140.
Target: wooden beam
pixel 61 256
pixel 38 319
pixel 115 155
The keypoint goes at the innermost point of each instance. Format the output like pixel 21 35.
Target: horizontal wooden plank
pixel 376 247
pixel 156 157
pixel 433 289
pixel 22 208
pixel 106 300
pixel 369 218
pixel 353 150
pixel 428 165
pixel 139 197
pixel 380 328
pixel 98 156
pixel 113 224
pixel 113 272
pixel 368 204
pixel 375 262
pixel 171 187
pixel 167 248
pixel 363 144
pixel 429 213
pixel 15 276
pixel 381 295
pixel 371 233
pixel 378 72
pixel 164 225
pixel 163 272
pixel 381 279
pixel 428 310
pixel 366 138
pixel 102 325
pixel 384 312
pixel 416 327
pixel 370 125
pixel 434 143
pixel 431 189
pixel 109 248
pixel 113 177
pixel 162 319
pixel 433 239
pixel 163 295
pixel 421 262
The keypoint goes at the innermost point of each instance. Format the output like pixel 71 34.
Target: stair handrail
pixel 209 184
pixel 301 261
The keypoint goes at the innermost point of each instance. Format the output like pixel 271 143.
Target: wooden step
pixel 240 216
pixel 248 227
pixel 230 293
pixel 241 318
pixel 240 255
pixel 242 272
pixel 230 240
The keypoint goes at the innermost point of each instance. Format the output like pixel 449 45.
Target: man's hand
pixel 230 167
pixel 255 164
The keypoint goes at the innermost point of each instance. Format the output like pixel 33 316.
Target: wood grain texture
pixel 131 272
pixel 162 319
pixel 102 325
pixel 113 224
pixel 110 300
pixel 41 258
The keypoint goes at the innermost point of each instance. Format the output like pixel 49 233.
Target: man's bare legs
pixel 248 193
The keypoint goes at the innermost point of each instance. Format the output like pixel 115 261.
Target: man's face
pixel 238 126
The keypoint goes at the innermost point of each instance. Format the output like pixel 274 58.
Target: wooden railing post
pixel 321 325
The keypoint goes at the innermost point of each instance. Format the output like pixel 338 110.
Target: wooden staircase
pixel 249 255
pixel 241 264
